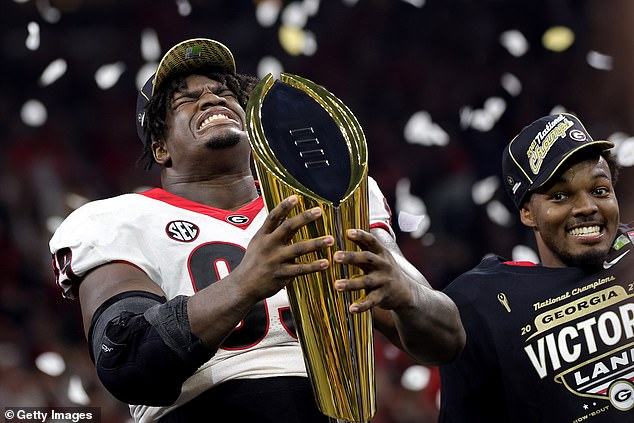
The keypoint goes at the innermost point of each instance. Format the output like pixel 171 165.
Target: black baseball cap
pixel 540 149
pixel 185 57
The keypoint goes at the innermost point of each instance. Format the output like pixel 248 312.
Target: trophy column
pixel 306 142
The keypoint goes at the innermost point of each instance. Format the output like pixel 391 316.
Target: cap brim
pixel 193 54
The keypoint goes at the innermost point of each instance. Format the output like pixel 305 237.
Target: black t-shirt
pixel 544 344
pixel 267 400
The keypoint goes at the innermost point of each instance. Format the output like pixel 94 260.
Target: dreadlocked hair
pixel 155 124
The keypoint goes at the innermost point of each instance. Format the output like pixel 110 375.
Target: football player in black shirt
pixel 553 341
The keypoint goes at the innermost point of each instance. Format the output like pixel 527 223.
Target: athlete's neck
pixel 229 192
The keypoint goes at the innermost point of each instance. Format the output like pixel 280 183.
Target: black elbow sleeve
pixel 135 361
pixel 136 366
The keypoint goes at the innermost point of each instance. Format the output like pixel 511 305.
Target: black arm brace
pixel 143 349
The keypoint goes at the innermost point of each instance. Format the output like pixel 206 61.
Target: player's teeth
pixel 210 119
pixel 585 230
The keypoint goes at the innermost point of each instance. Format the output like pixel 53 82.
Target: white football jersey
pixel 183 247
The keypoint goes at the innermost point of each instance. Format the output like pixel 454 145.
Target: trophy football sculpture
pixel 306 142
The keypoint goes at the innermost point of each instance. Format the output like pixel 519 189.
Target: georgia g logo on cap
pixel 578 135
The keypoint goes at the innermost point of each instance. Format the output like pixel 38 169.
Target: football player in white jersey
pixel 182 287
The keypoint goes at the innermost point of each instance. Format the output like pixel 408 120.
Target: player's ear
pixel 526 214
pixel 160 153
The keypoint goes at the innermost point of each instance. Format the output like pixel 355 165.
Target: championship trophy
pixel 306 142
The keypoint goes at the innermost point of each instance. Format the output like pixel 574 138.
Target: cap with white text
pixel 540 149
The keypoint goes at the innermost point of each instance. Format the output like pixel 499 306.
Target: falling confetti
pixel 558 38
pixel 415 3
pixel 499 214
pixel 76 392
pixel 33 38
pixel 184 7
pixel 75 201
pixel 311 7
pixel 294 15
pixel 482 191
pixel 267 12
pixel 34 113
pixel 411 210
pixel 150 46
pixel 524 253
pixel 511 84
pixel 269 65
pixel 514 42
pixel 292 39
pixel 108 75
pixel 50 363
pixel 55 70
pixel 625 153
pixel 599 61
pixel 415 378
pixel 483 119
pixel 48 12
pixel 144 74
pixel 420 129
pixel 53 222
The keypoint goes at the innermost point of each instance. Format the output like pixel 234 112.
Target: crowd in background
pixel 386 59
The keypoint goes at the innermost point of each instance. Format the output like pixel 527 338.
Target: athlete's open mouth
pixel 593 230
pixel 216 117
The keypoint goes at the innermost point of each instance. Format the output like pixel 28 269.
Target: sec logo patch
pixel 181 230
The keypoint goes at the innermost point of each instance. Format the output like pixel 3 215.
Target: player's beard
pixel 223 142
pixel 587 260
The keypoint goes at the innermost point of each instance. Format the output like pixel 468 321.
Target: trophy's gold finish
pixel 337 346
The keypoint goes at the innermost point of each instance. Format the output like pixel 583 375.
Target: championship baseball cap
pixel 184 58
pixel 539 150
